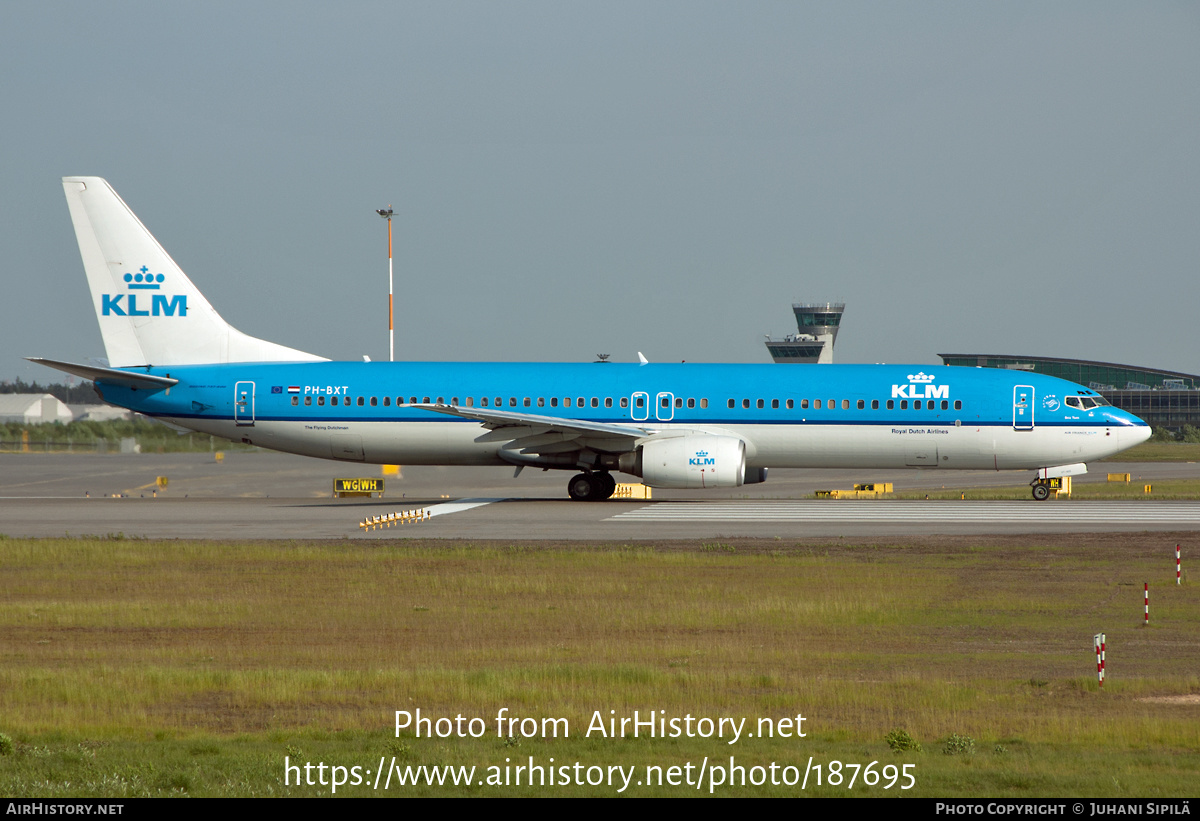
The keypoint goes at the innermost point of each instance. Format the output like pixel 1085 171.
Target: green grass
pixel 1159 452
pixel 1169 490
pixel 133 668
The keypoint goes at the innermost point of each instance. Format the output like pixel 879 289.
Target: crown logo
pixel 700 454
pixel 920 377
pixel 144 280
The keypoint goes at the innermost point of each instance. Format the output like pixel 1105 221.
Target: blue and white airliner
pixel 172 357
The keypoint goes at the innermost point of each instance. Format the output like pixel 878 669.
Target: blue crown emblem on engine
pixel 144 280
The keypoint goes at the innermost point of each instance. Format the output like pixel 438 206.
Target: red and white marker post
pixel 1177 568
pixel 1098 644
pixel 1147 622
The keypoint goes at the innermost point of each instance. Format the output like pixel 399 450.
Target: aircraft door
pixel 641 407
pixel 243 403
pixel 664 407
pixel 1023 407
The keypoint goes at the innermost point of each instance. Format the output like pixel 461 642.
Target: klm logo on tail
pixel 160 304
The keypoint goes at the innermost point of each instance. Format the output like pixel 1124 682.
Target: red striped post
pixel 1177 573
pixel 1098 645
pixel 1147 622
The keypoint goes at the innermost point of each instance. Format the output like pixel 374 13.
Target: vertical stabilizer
pixel 150 313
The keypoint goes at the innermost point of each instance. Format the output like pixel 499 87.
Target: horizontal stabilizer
pixel 111 376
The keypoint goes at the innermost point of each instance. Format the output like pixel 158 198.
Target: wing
pixel 550 441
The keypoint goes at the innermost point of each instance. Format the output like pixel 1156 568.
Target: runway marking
pixel 459 506
pixel 422 514
pixel 820 511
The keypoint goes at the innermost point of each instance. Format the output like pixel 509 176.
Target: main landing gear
pixel 592 487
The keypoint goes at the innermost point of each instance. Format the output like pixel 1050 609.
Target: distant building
pixel 33 409
pixel 100 413
pixel 1166 399
pixel 816 332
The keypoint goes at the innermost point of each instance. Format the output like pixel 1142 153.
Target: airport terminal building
pixel 1165 399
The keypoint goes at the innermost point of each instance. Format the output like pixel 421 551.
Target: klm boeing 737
pixel 172 357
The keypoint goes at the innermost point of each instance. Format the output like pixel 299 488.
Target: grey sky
pixel 575 178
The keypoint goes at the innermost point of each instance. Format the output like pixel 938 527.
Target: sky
pixel 575 178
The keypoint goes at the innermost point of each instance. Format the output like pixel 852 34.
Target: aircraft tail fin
pixel 150 313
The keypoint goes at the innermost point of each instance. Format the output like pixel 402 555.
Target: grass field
pixel 133 668
pixel 1135 490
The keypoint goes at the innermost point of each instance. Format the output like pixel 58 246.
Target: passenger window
pixel 624 401
pixel 526 402
pixel 470 401
pixel 499 402
pixel 704 403
pixel 874 404
pixel 387 401
pixel 817 404
pixel 745 403
pixel 958 404
pixel 845 404
pixel 803 404
pixel 595 402
pixel 891 404
pixel 678 402
pixel 832 404
pixel 412 400
pixel 566 401
pixel 903 404
pixel 425 400
pixel 691 403
pixel 760 404
pixel 295 400
pixel 608 401
pixel 731 403
pixel 774 403
pixel 441 401
pixel 308 400
pixel 454 401
pixel 861 404
pixel 541 402
pixel 320 400
pixel 512 401
pixel 790 404
pixel 362 401
pixel 483 401
pixel 580 403
pixel 945 405
pixel 554 401
pixel 375 401
pixel 641 401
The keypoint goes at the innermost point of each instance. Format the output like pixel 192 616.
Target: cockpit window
pixel 1073 402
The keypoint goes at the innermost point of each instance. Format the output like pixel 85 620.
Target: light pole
pixel 386 213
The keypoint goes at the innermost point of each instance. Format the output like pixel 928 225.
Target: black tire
pixel 1041 493
pixel 605 486
pixel 581 488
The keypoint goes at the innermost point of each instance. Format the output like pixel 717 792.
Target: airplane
pixel 172 357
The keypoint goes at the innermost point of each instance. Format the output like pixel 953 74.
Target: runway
pixel 257 495
pixel 1185 515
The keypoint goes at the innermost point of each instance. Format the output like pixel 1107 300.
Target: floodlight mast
pixel 386 213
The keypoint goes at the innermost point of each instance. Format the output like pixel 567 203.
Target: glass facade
pixel 1166 399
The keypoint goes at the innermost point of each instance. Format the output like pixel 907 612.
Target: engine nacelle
pixel 691 462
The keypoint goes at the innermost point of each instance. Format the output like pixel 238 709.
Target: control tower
pixel 816 331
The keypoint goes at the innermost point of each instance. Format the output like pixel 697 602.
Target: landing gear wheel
pixel 606 486
pixel 582 487
pixel 1041 492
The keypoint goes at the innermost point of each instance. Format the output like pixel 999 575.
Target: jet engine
pixel 689 462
